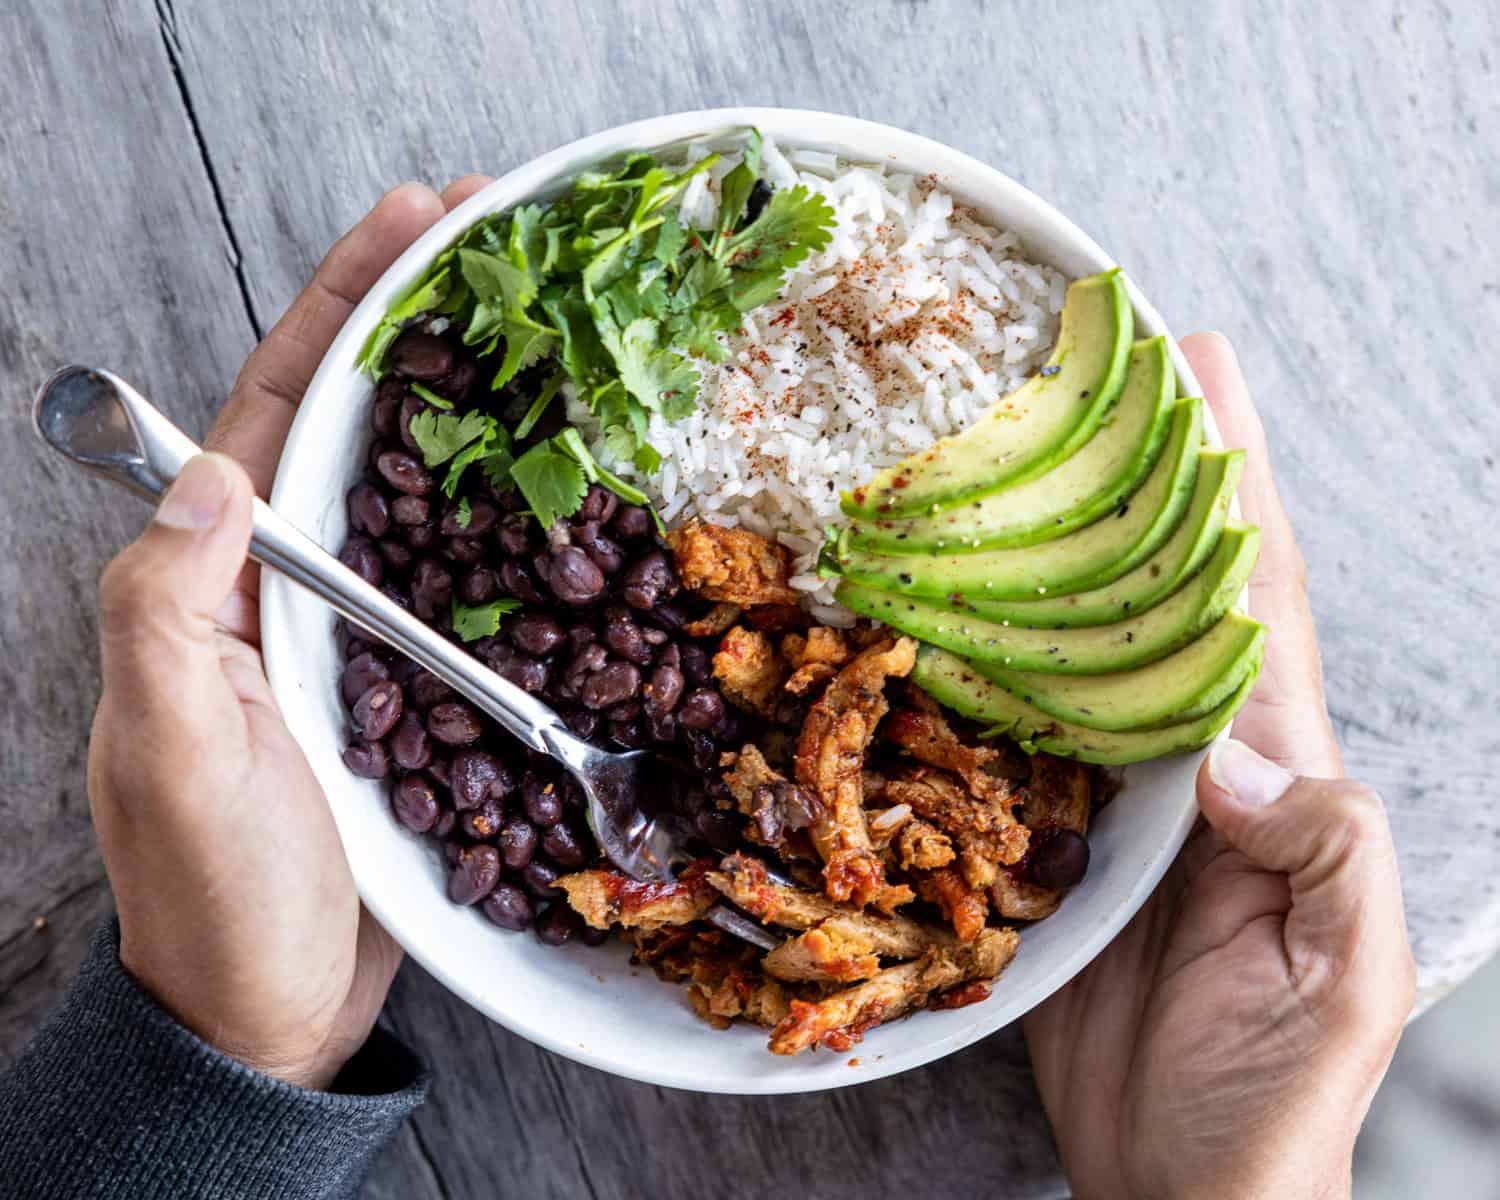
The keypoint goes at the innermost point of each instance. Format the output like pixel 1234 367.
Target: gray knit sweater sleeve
pixel 113 1098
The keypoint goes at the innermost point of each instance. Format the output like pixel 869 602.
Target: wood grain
pixel 1318 182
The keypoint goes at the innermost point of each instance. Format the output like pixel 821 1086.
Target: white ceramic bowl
pixel 590 1004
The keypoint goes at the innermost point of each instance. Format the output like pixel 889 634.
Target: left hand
pixel 237 910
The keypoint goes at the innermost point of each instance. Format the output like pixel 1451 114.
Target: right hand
pixel 1229 1041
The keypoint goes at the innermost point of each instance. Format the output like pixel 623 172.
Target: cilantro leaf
pixel 539 405
pixel 526 343
pixel 497 280
pixel 442 435
pixel 795 223
pixel 493 443
pixel 482 620
pixel 657 377
pixel 464 514
pixel 734 192
pixel 551 481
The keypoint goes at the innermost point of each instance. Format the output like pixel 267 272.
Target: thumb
pixel 158 597
pixel 1345 934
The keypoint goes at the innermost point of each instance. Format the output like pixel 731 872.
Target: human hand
pixel 1229 1041
pixel 237 909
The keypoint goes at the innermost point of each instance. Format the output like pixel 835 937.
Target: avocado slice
pixel 1098 650
pixel 1180 556
pixel 1021 435
pixel 949 680
pixel 1078 490
pixel 1186 684
pixel 1087 558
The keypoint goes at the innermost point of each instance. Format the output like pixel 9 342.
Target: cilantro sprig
pixel 608 282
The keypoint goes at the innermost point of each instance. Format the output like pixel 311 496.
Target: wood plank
pixel 1308 180
pixel 112 252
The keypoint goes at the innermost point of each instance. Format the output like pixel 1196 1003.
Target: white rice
pixel 913 319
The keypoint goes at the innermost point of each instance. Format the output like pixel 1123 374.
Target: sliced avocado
pixel 1186 684
pixel 1086 558
pixel 1023 434
pixel 1098 650
pixel 949 680
pixel 1079 489
pixel 1183 554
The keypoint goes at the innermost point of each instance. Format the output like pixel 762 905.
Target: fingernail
pixel 197 498
pixel 1252 780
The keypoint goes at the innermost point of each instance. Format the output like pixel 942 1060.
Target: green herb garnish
pixel 482 620
pixel 611 284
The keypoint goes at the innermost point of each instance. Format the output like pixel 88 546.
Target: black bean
pixel 590 936
pixel 361 673
pixel 624 637
pixel 514 534
pixel 508 907
pixel 476 776
pixel 518 842
pixel 464 549
pixel 625 710
pixel 697 666
pixel 541 799
pixel 612 683
pixel 580 635
pixel 451 851
pixel 446 822
pixel 702 709
pixel 670 655
pixel 383 413
pixel 410 745
pixel 482 518
pixel 422 356
pixel 397 595
pixel 397 555
pixel 661 726
pixel 701 747
pixel 415 802
pixel 368 760
pixel 438 769
pixel 598 505
pixel 664 690
pixel 573 576
pixel 404 473
pixel 1058 861
pixel 369 511
pixel 362 557
pixel 669 616
pixel 630 735
pixel 410 510
pixel 656 637
pixel 631 523
pixel 603 553
pixel 760 196
pixel 431 588
pixel 558 924
pixel 582 722
pixel 540 879
pixel 482 823
pixel 458 382
pixel 537 633
pixel 454 724
pixel 716 828
pixel 527 673
pixel 475 874
pixel 564 847
pixel 427 689
pixel 378 709
pixel 421 537
pixel 729 728
pixel 479 586
pixel 649 580
pixel 518 580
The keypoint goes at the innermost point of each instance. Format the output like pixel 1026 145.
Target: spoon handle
pixel 78 413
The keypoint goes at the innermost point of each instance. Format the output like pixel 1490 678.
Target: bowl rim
pixel 796 128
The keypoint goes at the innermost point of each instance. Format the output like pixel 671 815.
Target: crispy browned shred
pixel 748 670
pixel 732 565
pixel 863 803
pixel 830 758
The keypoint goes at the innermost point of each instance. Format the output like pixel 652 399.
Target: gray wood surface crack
pixel 1311 180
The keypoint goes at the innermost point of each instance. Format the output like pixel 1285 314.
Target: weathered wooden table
pixel 1320 186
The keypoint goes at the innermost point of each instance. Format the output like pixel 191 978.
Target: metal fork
pixel 101 423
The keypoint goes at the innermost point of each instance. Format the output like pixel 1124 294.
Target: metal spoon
pixel 100 422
